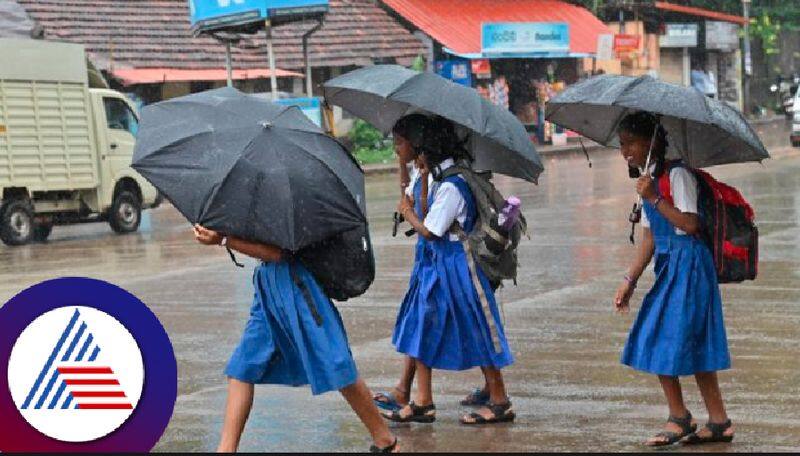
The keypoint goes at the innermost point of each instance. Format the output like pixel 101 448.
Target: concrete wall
pixel 671 69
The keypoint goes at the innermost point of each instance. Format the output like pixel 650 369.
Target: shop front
pixel 517 54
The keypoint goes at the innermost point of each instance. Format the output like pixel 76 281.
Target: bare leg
pixel 677 408
pixel 708 385
pixel 424 394
pixel 402 392
pixel 237 409
pixel 358 396
pixel 485 389
pixel 497 393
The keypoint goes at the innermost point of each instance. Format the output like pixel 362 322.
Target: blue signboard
pixel 210 15
pixel 525 38
pixel 311 107
pixel 458 71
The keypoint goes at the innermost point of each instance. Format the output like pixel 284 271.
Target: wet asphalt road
pixel 568 388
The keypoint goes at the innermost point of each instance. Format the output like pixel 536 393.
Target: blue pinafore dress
pixel 441 321
pixel 288 342
pixel 679 329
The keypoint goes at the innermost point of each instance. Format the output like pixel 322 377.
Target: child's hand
pixel 205 236
pixel 623 297
pixel 404 205
pixel 646 188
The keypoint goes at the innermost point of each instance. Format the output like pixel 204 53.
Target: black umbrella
pixel 246 167
pixel 382 94
pixel 702 131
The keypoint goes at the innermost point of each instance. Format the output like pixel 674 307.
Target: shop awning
pixel 694 11
pixel 458 24
pixel 159 75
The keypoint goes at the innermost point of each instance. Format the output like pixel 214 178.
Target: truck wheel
pixel 126 213
pixel 16 222
pixel 42 231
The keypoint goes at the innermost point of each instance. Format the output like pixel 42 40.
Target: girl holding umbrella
pixel 282 343
pixel 440 323
pixel 408 134
pixel 679 329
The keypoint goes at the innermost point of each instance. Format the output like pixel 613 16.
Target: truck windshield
pixel 119 116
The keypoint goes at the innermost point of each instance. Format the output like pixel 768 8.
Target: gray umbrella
pixel 702 131
pixel 382 94
pixel 249 168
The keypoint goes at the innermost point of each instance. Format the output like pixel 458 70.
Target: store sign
pixel 211 15
pixel 481 68
pixel 679 36
pixel 524 37
pixel 458 71
pixel 723 36
pixel 626 43
pixel 605 47
pixel 311 107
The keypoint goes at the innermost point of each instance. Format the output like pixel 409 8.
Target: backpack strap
pixel 664 185
pixel 469 200
pixel 473 272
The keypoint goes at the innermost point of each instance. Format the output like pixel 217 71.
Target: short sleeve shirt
pixel 684 189
pixel 448 206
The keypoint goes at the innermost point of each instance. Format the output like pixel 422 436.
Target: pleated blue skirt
pixel 679 329
pixel 283 344
pixel 441 321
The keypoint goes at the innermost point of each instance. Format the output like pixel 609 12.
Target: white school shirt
pixel 448 204
pixel 684 188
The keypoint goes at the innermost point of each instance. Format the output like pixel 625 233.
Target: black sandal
pixel 419 414
pixel 687 428
pixel 388 449
pixel 477 398
pixel 717 434
pixel 501 413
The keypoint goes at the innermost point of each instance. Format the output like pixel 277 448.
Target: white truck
pixel 65 147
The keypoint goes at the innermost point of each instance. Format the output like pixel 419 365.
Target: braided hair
pixel 644 124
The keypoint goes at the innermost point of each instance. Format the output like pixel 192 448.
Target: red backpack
pixel 729 227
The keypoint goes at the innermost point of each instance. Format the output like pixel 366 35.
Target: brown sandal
pixel 501 413
pixel 687 428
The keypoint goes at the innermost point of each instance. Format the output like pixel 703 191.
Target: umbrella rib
pixel 332 171
pixel 215 189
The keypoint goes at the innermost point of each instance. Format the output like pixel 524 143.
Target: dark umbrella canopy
pixel 382 94
pixel 702 131
pixel 249 168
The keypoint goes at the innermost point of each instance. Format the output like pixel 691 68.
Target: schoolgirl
pixel 679 329
pixel 441 323
pixel 294 337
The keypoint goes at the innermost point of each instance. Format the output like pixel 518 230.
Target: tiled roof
pixel 156 34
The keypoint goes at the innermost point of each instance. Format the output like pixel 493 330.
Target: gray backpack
pixel 494 252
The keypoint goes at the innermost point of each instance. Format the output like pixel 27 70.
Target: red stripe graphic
pixel 98 394
pixel 85 370
pixel 105 406
pixel 91 381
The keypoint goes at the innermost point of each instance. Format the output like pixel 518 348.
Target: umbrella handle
pixel 647 163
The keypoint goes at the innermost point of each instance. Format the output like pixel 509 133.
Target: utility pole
pixel 748 62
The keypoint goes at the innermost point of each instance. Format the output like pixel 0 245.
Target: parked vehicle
pixel 785 90
pixel 65 147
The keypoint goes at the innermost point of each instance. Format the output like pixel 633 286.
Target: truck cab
pixel 65 147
